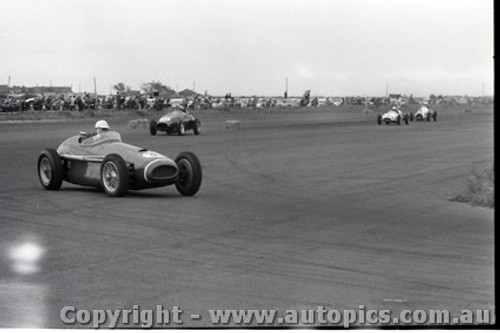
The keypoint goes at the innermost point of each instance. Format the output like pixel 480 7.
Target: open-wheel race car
pixel 178 121
pixel 424 113
pixel 104 161
pixel 393 116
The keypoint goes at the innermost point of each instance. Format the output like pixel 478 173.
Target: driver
pixel 101 126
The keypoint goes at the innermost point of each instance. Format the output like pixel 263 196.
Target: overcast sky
pixel 250 47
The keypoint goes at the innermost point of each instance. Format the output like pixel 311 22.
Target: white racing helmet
pixel 102 124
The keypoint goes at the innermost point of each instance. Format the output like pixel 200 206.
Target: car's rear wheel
pixel 406 119
pixel 379 119
pixel 190 174
pixel 114 175
pixel 435 115
pixel 197 126
pixel 398 120
pixel 180 128
pixel 50 169
pixel 429 116
pixel 152 127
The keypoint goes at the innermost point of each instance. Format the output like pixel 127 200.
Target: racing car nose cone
pixel 161 170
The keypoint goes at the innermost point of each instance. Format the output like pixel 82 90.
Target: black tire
pixel 379 119
pixel 406 119
pixel 412 116
pixel 429 116
pixel 435 115
pixel 180 128
pixel 190 174
pixel 197 126
pixel 50 169
pixel 152 127
pixel 114 175
pixel 399 120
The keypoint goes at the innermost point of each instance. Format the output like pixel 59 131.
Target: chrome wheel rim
pixel 110 177
pixel 45 171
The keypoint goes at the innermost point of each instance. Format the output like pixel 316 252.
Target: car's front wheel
pixel 197 126
pixel 152 127
pixel 114 175
pixel 50 169
pixel 190 174
pixel 435 115
pixel 379 119
pixel 181 129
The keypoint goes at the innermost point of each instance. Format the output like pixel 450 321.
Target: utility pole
pixel 9 82
pixel 95 87
pixel 286 88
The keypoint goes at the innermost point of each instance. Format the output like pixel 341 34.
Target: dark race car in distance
pixel 177 121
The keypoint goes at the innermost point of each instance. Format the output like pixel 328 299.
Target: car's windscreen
pixel 106 137
pixel 176 113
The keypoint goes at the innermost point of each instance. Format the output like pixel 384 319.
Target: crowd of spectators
pixel 86 101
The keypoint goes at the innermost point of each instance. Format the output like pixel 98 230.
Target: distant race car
pixel 393 116
pixel 424 113
pixel 106 162
pixel 178 121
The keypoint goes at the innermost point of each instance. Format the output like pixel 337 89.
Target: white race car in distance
pixel 424 113
pixel 393 116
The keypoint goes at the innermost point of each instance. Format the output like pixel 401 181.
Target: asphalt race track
pixel 296 211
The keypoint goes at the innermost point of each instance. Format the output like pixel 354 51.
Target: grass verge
pixel 480 188
pixel 69 115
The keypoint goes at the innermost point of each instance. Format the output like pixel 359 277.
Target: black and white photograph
pixel 247 164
